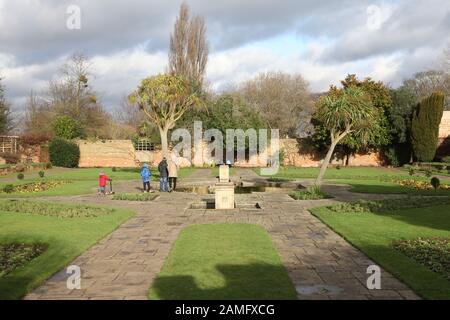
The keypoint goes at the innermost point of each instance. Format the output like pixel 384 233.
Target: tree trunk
pixel 325 164
pixel 334 142
pixel 164 142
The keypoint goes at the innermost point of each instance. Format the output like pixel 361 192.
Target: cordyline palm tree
pixel 344 111
pixel 164 99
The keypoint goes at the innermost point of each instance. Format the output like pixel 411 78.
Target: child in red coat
pixel 102 179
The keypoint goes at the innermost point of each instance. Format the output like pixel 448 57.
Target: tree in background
pixel 283 100
pixel 164 99
pixel 129 122
pixel 72 96
pixel 376 138
pixel 5 112
pixel 230 111
pixel 404 101
pixel 343 112
pixel 67 128
pixel 425 126
pixel 446 64
pixel 189 49
pixel 423 84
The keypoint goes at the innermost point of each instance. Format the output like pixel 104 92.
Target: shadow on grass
pixel 436 217
pixel 255 282
pixel 421 279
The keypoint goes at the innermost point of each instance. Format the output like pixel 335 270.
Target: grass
pixel 68 189
pixel 354 173
pixel 135 196
pixel 375 232
pixel 361 179
pixel 82 180
pixel 65 238
pixel 386 187
pixel 223 261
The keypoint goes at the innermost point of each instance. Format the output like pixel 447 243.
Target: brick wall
pixel 121 153
pixel 107 154
pixel 444 128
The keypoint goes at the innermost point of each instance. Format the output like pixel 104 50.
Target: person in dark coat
pixel 163 174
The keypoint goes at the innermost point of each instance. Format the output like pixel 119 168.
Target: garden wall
pixel 444 136
pixel 299 154
pixel 121 153
pixel 107 154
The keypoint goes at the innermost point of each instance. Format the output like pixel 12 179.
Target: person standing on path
pixel 173 174
pixel 146 175
pixel 163 175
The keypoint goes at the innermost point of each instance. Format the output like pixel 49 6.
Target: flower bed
pixel 434 253
pixel 16 255
pixel 135 196
pixel 419 184
pixel 34 187
pixel 50 209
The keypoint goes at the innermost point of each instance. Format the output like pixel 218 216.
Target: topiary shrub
pixel 67 128
pixel 41 174
pixel 425 126
pixel 428 173
pixel 20 176
pixel 9 188
pixel 64 153
pixel 411 171
pixel 435 182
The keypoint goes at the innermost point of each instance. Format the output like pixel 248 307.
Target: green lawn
pixel 386 187
pixel 66 239
pixel 361 179
pixel 223 261
pixel 373 233
pixel 83 180
pixel 356 173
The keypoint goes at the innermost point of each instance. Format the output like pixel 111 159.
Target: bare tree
pixel 70 95
pixel 283 100
pixel 189 48
pixel 447 59
pixel 6 123
pixel 423 84
pixel 38 115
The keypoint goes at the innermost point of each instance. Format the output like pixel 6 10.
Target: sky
pixel 323 40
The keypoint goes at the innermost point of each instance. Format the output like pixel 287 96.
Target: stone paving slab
pixel 321 264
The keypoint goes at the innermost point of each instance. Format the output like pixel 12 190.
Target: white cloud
pixel 128 40
pixel 117 75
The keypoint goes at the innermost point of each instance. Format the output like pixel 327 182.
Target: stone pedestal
pixel 224 195
pixel 224 173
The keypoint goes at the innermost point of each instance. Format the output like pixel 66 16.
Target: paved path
pixel 123 265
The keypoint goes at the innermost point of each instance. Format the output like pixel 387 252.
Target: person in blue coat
pixel 146 175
